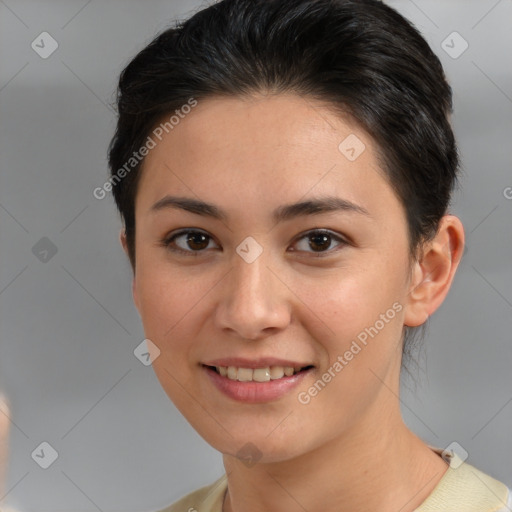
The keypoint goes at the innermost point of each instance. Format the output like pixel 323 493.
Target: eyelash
pixel 167 241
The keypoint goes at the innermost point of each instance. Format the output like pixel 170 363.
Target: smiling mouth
pixel 264 374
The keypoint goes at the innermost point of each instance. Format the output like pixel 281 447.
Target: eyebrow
pixel 315 206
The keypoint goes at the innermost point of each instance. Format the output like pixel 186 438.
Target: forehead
pixel 286 121
pixel 262 149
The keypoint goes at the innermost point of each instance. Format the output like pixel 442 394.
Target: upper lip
pixel 261 362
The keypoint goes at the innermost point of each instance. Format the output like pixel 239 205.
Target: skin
pixel 4 441
pixel 348 449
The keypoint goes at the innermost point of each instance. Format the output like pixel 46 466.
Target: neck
pixel 368 468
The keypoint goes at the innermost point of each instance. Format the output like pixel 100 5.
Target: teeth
pixel 244 374
pixel 261 374
pixel 276 372
pixel 257 374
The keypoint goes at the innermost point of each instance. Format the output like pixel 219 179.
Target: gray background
pixel 68 325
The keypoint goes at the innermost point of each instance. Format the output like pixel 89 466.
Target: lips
pixel 256 385
pixel 256 380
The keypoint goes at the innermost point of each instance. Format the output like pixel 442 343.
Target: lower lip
pixel 255 392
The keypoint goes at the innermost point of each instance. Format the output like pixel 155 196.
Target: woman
pixel 283 170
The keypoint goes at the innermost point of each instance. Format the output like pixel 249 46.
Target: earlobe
pixel 433 274
pixel 122 239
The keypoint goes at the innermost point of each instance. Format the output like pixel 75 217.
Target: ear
pixel 124 245
pixel 433 274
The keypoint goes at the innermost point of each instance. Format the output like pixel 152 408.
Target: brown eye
pixel 319 241
pixel 191 242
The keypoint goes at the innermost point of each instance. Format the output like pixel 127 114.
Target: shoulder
pixel 206 499
pixel 464 487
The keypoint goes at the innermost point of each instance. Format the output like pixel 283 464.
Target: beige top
pixel 463 488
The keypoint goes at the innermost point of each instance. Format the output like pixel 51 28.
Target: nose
pixel 254 302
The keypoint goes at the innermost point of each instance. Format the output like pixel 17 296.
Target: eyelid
pixel 342 240
pixel 168 239
pixel 334 235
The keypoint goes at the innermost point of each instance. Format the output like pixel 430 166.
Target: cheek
pixel 362 345
pixel 170 301
pixel 361 328
pixel 352 300
pixel 170 305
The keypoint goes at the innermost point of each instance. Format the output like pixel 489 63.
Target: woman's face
pixel 258 290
